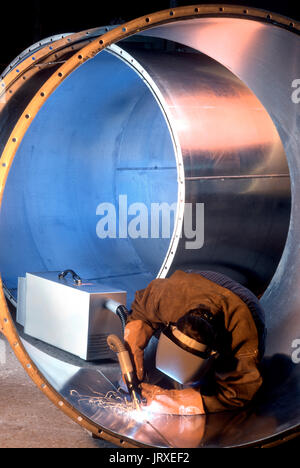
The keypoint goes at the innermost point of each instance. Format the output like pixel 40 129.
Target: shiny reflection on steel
pixel 277 52
pixel 232 156
pixel 272 415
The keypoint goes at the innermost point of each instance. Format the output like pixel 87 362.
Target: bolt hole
pixel 80 57
pixel 196 10
pixel 171 13
pixel 147 20
pixel 60 74
pixel 245 12
pixel 3 164
pixel 221 9
pixel 14 140
pixel 268 17
pixel 42 94
pixel 27 116
pixel 101 42
pixel 124 29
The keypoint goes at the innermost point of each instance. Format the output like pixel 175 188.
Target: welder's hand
pixel 183 402
pixel 137 335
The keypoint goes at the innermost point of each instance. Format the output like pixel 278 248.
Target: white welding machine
pixel 69 313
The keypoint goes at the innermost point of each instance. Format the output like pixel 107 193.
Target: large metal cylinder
pixel 181 111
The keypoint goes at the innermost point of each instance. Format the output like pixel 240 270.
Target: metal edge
pixel 7 326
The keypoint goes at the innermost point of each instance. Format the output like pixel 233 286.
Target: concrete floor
pixel 27 418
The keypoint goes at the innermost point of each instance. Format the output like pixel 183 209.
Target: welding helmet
pixel 181 357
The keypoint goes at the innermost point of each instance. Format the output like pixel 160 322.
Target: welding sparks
pixel 119 405
pixel 115 402
pixel 110 400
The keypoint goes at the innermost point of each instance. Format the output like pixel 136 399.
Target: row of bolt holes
pixel 43 386
pixel 27 116
pixel 148 21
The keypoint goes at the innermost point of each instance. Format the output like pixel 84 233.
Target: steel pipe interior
pixel 100 136
pixel 189 123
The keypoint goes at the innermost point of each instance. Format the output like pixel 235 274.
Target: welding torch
pixel 128 372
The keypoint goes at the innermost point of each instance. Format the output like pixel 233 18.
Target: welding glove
pixel 137 335
pixel 182 402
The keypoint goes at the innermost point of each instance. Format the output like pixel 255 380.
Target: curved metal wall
pixel 203 125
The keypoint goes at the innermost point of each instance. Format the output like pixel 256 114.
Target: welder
pixel 209 332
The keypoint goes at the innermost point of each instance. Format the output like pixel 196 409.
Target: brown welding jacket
pixel 236 375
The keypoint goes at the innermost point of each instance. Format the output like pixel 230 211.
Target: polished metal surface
pixel 212 123
pixel 85 146
pixel 95 393
pixel 266 58
pixel 233 157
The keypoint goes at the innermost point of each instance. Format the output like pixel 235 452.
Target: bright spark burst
pixel 115 402
pixel 111 400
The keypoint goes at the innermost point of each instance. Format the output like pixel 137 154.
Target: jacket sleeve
pixel 237 388
pixel 146 304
